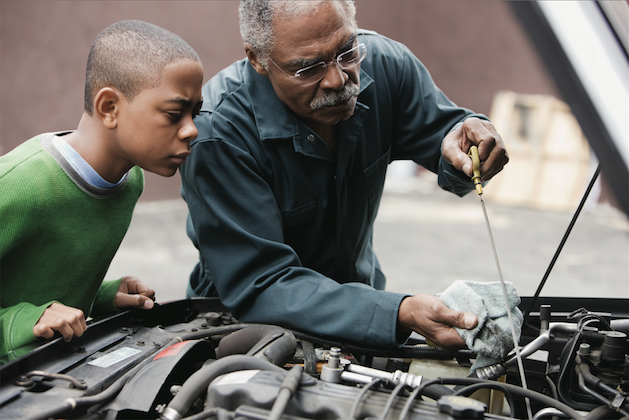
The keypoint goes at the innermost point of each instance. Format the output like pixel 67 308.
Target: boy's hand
pixel 68 321
pixel 132 293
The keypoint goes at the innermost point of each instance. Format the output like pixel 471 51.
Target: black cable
pixel 287 390
pixel 413 396
pixel 552 388
pixel 398 388
pixel 361 394
pixel 562 243
pixel 468 390
pixel 514 389
pixel 567 361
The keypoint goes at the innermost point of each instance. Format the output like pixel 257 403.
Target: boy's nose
pixel 189 131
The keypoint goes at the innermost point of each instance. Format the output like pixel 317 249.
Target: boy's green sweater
pixel 58 235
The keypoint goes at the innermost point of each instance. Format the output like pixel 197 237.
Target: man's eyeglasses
pixel 316 72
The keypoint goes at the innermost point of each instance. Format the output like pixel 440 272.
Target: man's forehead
pixel 330 26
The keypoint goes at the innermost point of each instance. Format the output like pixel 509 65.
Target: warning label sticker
pixel 114 357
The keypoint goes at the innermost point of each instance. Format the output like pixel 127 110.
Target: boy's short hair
pixel 130 56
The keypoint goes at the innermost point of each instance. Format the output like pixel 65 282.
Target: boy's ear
pixel 254 60
pixel 107 106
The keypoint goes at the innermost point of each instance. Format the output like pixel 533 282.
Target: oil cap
pixel 461 407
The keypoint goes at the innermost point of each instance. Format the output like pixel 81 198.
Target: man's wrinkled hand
pixel 132 293
pixel 491 148
pixel 70 322
pixel 429 316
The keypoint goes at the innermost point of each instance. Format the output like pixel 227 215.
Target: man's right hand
pixel 70 322
pixel 429 316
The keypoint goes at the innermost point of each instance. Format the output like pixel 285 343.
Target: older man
pixel 286 175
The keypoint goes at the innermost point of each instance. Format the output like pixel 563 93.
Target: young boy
pixel 66 199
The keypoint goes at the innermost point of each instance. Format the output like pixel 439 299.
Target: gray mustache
pixel 335 97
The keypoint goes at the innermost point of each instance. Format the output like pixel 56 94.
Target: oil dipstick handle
pixel 473 153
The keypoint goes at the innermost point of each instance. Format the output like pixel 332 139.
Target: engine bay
pixel 191 359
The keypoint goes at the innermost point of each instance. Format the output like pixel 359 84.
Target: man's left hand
pixel 132 293
pixel 491 149
pixel 429 316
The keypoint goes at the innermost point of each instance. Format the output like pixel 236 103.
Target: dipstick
pixel 473 153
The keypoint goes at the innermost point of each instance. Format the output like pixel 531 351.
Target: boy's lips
pixel 180 158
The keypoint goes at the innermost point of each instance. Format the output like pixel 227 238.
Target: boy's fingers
pixel 66 330
pixel 68 321
pixel 147 303
pixel 125 300
pixel 43 331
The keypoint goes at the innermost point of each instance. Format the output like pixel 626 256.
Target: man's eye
pixel 174 115
pixel 349 56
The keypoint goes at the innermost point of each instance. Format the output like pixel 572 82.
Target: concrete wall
pixel 472 48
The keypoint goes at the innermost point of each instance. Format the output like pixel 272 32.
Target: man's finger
pixel 459 319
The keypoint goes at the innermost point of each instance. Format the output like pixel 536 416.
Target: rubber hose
pixel 434 392
pixel 198 382
pixel 241 342
pixel 568 355
pixel 404 352
pixel 270 342
pixel 310 357
pixel 602 412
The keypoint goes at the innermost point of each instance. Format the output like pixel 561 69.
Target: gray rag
pixel 491 339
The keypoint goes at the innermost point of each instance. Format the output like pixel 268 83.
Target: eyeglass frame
pixel 295 76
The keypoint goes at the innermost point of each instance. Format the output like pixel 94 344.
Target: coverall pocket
pixel 374 180
pixel 299 226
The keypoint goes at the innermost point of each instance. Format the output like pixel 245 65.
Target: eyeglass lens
pixel 345 61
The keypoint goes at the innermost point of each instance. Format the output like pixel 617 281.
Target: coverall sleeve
pixel 424 115
pixel 258 277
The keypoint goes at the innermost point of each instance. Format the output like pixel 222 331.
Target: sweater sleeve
pixel 16 325
pixel 104 300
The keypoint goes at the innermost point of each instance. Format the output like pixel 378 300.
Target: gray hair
pixel 130 56
pixel 257 16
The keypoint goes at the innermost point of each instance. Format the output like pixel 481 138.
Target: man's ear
pixel 254 60
pixel 107 106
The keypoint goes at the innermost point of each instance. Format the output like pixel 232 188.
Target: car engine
pixel 191 359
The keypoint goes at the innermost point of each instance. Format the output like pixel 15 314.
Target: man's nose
pixel 334 77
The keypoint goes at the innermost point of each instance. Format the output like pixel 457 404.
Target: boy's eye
pixel 197 110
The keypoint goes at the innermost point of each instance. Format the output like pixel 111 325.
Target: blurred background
pixel 478 55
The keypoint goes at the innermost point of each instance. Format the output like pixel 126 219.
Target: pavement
pixel 425 239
